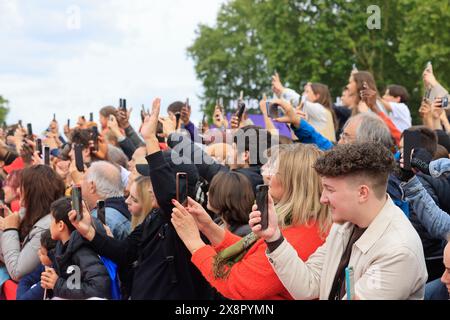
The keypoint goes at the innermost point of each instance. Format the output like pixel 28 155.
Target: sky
pixel 74 57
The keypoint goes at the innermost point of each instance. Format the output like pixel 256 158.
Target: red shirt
pixel 253 278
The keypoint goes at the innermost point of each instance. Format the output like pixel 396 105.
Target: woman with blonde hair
pixel 238 267
pixel 140 201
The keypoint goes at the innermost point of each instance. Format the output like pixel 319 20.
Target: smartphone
pixel 20 123
pixel 187 103
pixel 94 137
pixel 143 113
pixel 47 156
pixel 411 140
pixel 68 123
pixel 350 283
pixel 182 185
pixel 273 110
pixel 178 117
pixel 123 104
pixel 101 214
pixel 444 103
pixel 77 204
pixel 79 163
pixel 241 110
pixel 30 129
pixel 39 146
pixel 262 201
pixel 54 117
pixel 91 117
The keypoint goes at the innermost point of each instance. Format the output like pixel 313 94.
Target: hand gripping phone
pixel 77 204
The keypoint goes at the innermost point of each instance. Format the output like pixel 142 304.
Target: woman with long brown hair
pixel 20 232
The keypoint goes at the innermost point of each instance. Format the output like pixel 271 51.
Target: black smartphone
pixel 411 140
pixel 68 123
pixel 241 110
pixel 178 117
pixel 182 187
pixel 30 130
pixel 143 113
pixel 39 146
pixel 20 123
pixel 94 138
pixel 91 117
pixel 79 163
pixel 444 102
pixel 187 103
pixel 47 156
pixel 101 214
pixel 77 204
pixel 123 104
pixel 54 117
pixel 262 201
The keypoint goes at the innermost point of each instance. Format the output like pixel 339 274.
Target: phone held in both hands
pixel 262 201
pixel 77 203
pixel 182 187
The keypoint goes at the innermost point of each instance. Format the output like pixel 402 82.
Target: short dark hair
pixel 46 240
pixel 370 159
pixel 107 111
pixel 60 211
pixel 176 106
pixel 396 91
pixel 249 135
pixel 81 136
pixel 232 194
pixel 428 138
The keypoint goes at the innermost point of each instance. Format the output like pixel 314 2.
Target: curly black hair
pixel 370 160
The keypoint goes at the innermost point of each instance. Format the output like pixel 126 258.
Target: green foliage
pixel 3 109
pixel 319 40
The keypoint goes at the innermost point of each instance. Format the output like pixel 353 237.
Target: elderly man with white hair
pixel 102 181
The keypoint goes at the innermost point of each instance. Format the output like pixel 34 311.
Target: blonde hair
pixel 300 204
pixel 143 184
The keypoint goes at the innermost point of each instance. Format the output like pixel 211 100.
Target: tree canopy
pixel 319 40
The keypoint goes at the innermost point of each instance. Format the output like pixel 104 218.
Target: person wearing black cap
pixel 153 252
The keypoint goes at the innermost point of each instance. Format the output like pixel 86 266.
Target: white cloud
pixel 134 49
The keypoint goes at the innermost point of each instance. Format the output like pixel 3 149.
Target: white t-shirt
pixel 400 116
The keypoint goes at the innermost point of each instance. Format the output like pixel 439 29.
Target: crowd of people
pixel 169 210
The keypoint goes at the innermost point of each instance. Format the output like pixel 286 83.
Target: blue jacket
pixel 29 287
pixel 434 219
pixel 307 134
pixel 117 217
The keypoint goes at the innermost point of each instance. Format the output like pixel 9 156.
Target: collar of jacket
pixel 118 204
pixel 375 230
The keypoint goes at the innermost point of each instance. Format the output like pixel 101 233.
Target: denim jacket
pixel 119 225
pixel 434 219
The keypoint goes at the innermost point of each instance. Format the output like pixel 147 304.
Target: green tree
pixel 319 40
pixel 4 109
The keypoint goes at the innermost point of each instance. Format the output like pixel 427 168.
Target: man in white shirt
pixel 370 233
pixel 394 101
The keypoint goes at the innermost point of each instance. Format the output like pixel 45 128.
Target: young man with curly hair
pixel 370 233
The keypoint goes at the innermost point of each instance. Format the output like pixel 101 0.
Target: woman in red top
pixel 296 189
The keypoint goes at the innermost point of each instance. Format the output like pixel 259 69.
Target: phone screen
pixel 273 110
pixel 182 187
pixel 91 117
pixel 77 201
pixel 101 214
pixel 411 140
pixel 47 156
pixel 262 201
pixel 79 163
pixel 241 110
